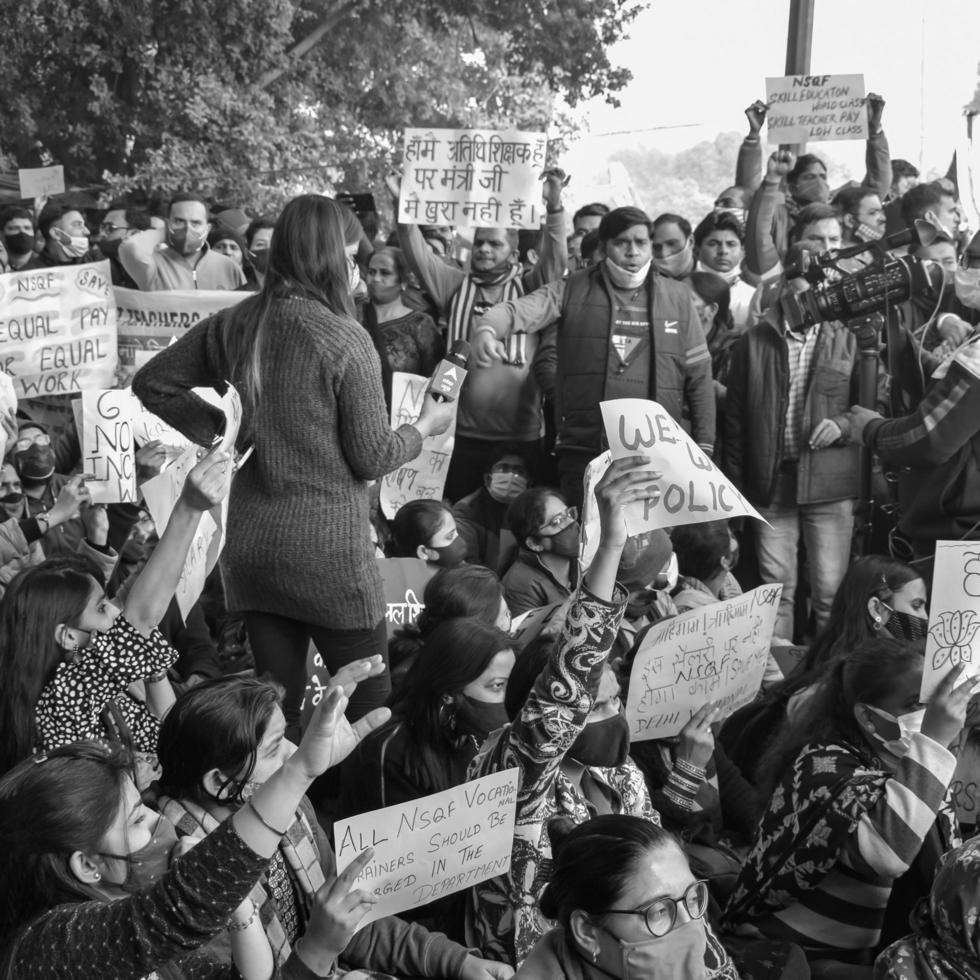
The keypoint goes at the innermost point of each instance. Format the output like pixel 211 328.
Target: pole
pixel 799 42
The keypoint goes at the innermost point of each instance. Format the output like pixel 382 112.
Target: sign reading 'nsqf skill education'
pixel 816 108
pixel 472 178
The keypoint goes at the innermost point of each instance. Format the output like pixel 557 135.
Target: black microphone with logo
pixel 450 373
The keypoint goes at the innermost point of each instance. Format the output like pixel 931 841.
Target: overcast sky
pixel 703 61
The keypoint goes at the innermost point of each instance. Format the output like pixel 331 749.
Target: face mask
pixel 74 246
pixel 110 247
pixel 865 233
pixel 966 282
pixel 260 260
pixel 911 722
pixel 623 278
pixel 733 557
pixel 677 265
pixel 565 542
pixel 604 743
pixel 740 213
pixel 149 863
pixel 479 718
pixel 353 275
pixel 667 579
pixel 186 240
pixel 904 626
pixel 35 465
pixel 887 737
pixel 12 499
pixel 450 555
pixel 504 487
pixel 677 956
pixel 731 277
pixel 20 243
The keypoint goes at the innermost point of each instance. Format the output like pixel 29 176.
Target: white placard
pixel 108 448
pixel 41 181
pixel 713 653
pixel 472 178
pixel 692 489
pixel 433 846
pixel 816 108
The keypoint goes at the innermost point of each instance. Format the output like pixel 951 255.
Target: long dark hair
pixel 307 259
pixel 217 725
pixel 595 861
pixel 864 675
pixel 414 524
pixel 51 807
pixel 35 603
pixel 455 654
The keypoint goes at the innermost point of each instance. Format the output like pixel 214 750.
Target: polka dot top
pixel 71 704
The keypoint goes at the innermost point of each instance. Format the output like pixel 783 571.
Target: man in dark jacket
pixel 623 332
pixel 787 448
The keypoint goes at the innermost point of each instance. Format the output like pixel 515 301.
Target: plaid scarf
pixel 464 299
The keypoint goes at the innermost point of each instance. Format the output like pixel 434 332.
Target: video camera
pixel 887 281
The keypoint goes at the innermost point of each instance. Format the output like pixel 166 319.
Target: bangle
pixel 265 823
pixel 234 926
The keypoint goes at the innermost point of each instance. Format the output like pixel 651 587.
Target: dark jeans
pixel 281 646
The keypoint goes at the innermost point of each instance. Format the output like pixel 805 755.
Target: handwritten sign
pixel 713 653
pixel 816 108
pixel 954 614
pixel 58 329
pixel 433 846
pixel 41 181
pixel 108 449
pixel 691 490
pixel 472 178
pixel 403 581
pixel 424 477
pixel 150 321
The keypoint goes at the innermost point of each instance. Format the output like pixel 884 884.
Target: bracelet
pixel 265 823
pixel 156 678
pixel 234 926
pixel 690 770
pixel 43 518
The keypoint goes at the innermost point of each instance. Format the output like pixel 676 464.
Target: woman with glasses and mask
pixel 547 533
pixel 258 238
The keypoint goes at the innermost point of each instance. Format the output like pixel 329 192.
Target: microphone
pixel 450 373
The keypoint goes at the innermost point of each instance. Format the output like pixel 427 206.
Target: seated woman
pixel 876 593
pixel 426 529
pixel 77 666
pixel 854 800
pixel 706 554
pixel 85 890
pixel 547 534
pixel 945 939
pixel 219 745
pixel 469 590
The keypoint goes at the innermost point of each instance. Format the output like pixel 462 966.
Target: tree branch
pixel 335 13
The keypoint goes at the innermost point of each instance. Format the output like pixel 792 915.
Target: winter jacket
pixel 529 584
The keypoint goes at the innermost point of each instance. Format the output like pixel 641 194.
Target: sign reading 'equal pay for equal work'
pixel 472 178
pixel 816 108
pixel 58 329
pixel 715 653
pixel 433 846
pixel 690 490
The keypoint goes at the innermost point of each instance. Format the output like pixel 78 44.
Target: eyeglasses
pixel 107 227
pixel 509 468
pixel 559 521
pixel 41 439
pixel 661 914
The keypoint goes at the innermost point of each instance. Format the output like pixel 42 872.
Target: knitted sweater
pixel 298 539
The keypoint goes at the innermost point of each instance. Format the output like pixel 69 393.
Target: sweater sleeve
pixel 137 255
pixel 531 313
pixel 370 446
pixel 440 279
pixel 551 264
pixel 164 384
pixel 877 159
pixel 131 937
pixel 748 165
pixel 761 249
pixel 699 386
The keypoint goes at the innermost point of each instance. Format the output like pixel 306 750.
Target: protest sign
pixel 433 846
pixel 58 329
pixel 403 581
pixel 816 108
pixel 964 789
pixel 108 450
pixel 713 653
pixel 589 540
pixel 691 488
pixel 41 181
pixel 424 477
pixel 150 321
pixel 472 178
pixel 954 614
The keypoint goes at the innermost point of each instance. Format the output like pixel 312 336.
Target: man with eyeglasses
pixel 177 255
pixel 119 224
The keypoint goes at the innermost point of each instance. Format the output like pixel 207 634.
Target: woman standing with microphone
pixel 298 561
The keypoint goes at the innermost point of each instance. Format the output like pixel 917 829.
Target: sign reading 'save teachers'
pixel 816 108
pixel 714 653
pixel 691 489
pixel 432 846
pixel 472 178
pixel 58 329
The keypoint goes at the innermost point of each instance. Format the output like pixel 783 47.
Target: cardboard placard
pixel 816 108
pixel 41 181
pixel 108 448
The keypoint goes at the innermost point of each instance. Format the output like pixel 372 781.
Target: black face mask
pixel 452 554
pixel 12 499
pixel 604 743
pixel 904 626
pixel 565 542
pixel 20 243
pixel 260 260
pixel 110 247
pixel 479 718
pixel 35 465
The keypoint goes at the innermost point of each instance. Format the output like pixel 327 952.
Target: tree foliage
pixel 254 101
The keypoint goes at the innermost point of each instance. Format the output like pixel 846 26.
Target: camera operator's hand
pixel 953 328
pixel 858 418
pixel 825 433
pixel 756 115
pixel 876 106
pixel 780 164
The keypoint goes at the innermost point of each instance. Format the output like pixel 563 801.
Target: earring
pixel 595 956
pixel 97 875
pixel 877 623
